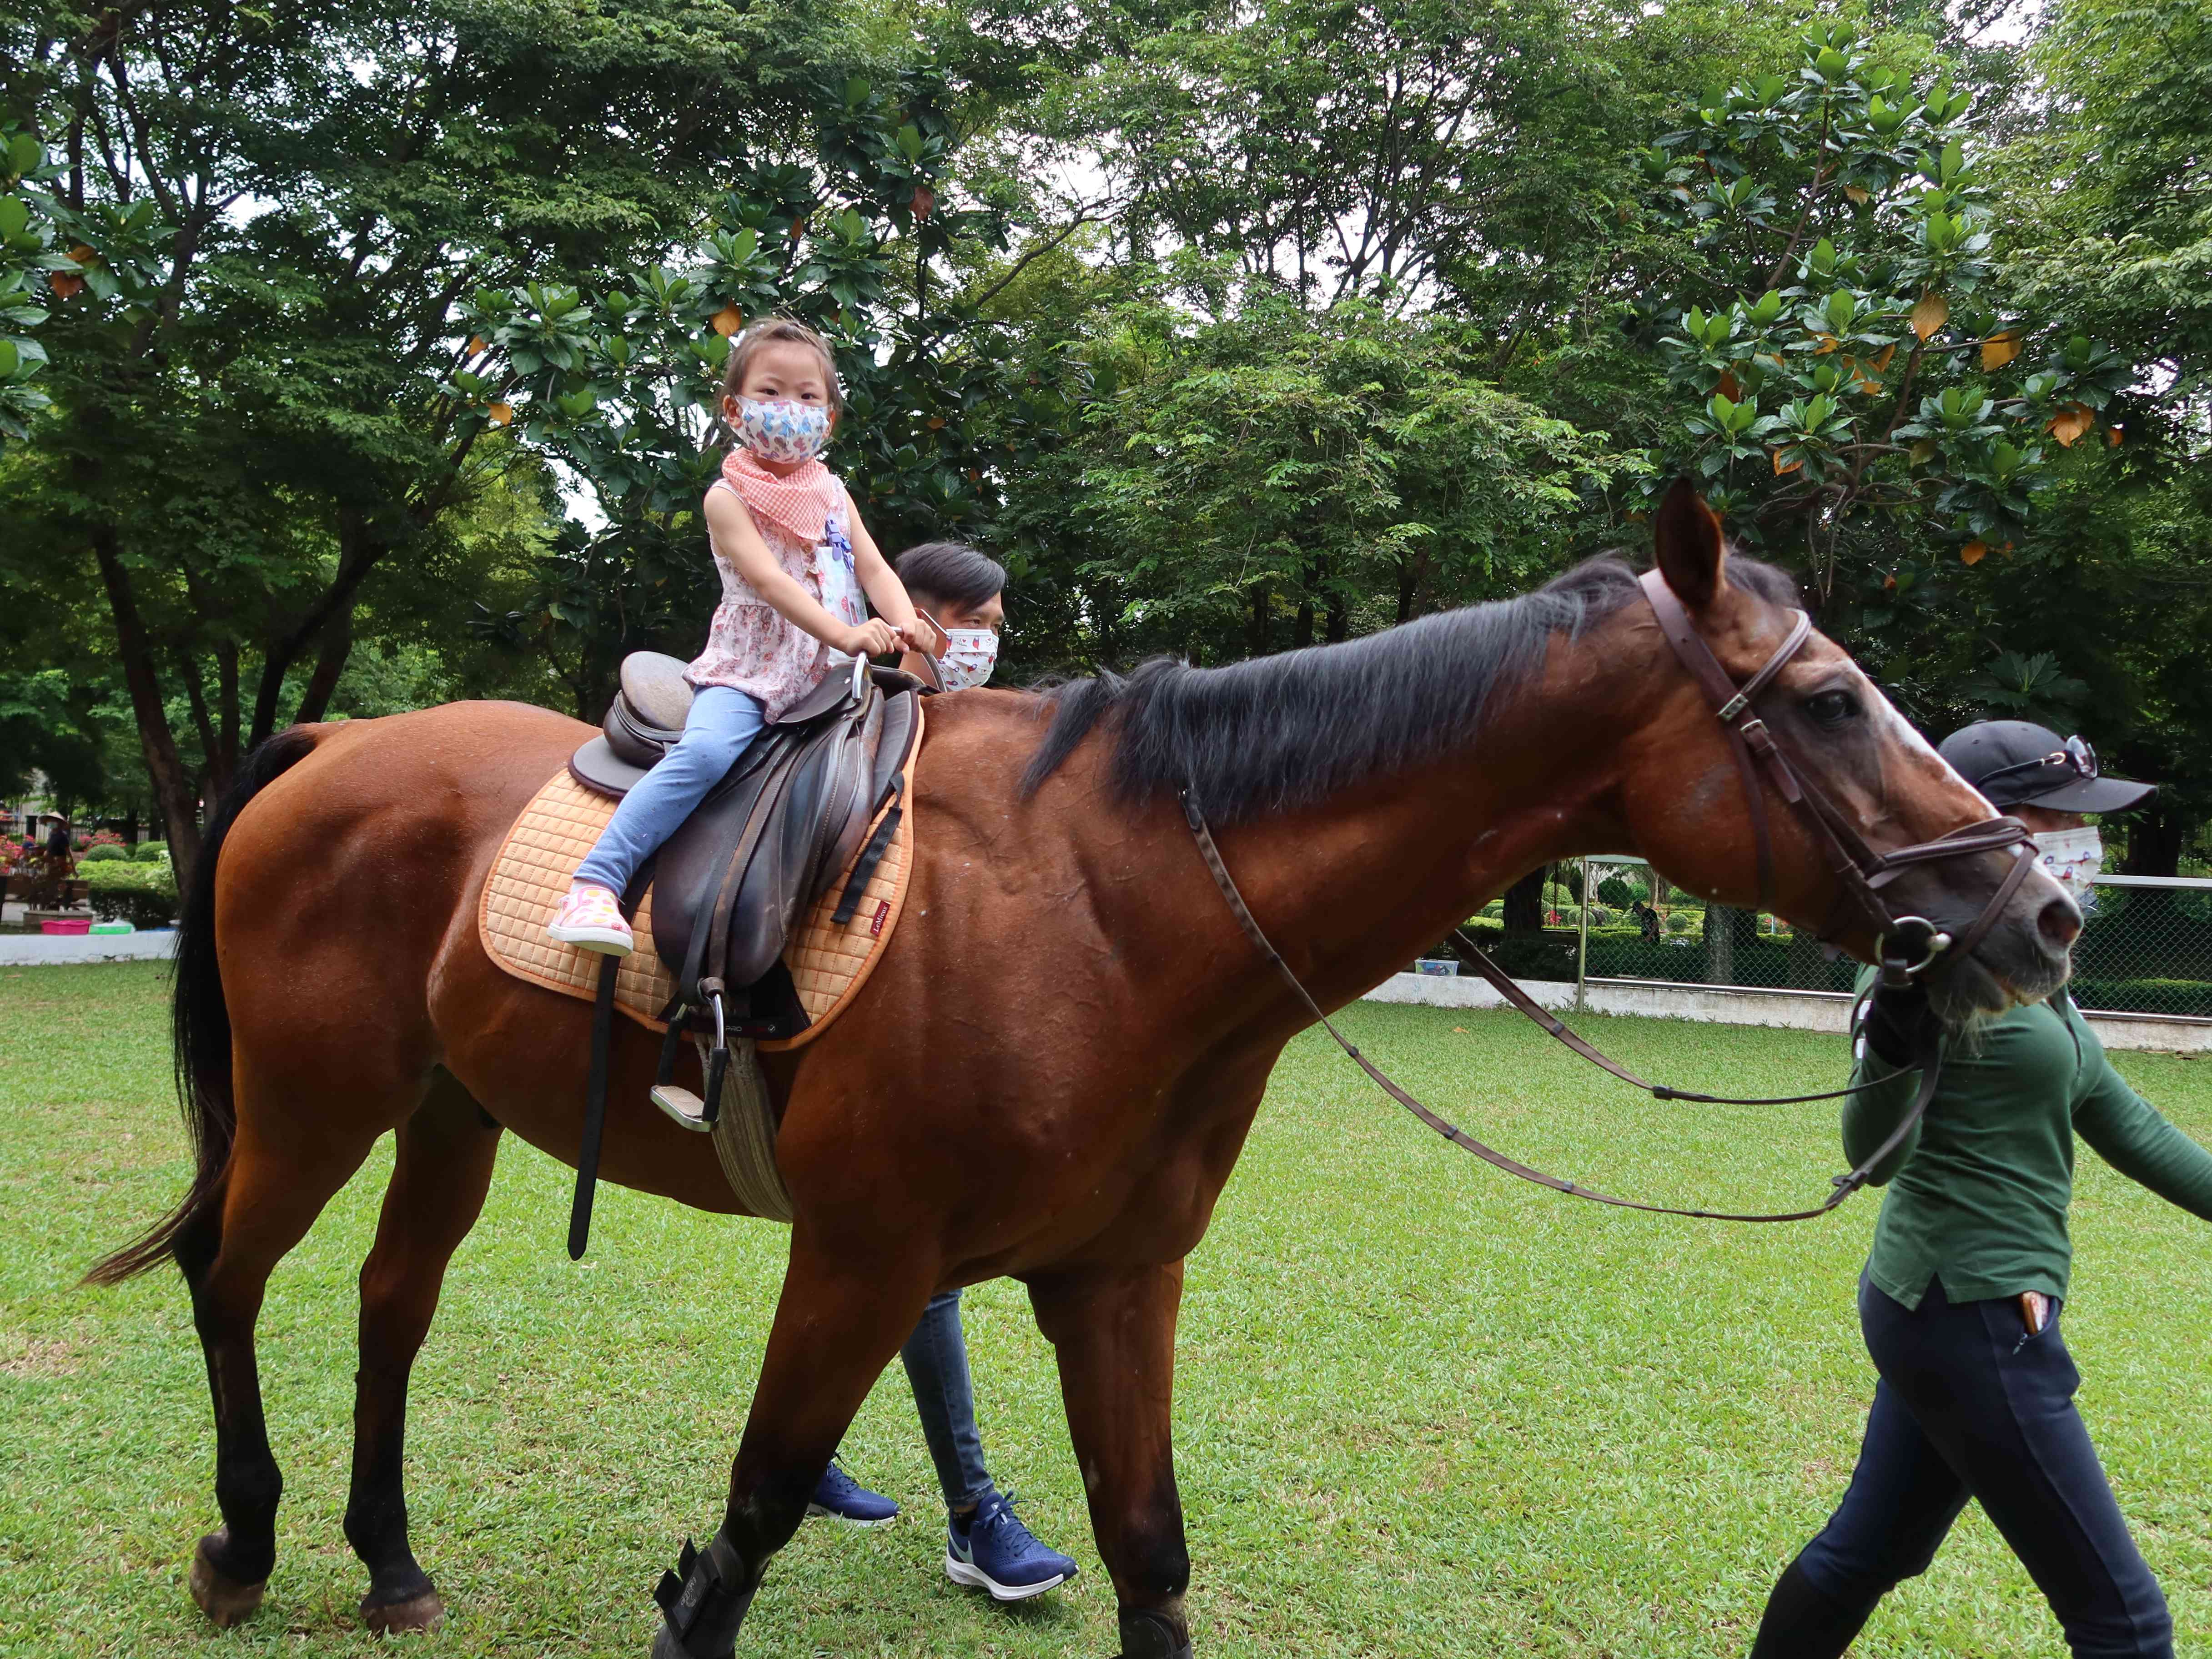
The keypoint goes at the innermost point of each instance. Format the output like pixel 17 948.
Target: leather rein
pixel 1908 945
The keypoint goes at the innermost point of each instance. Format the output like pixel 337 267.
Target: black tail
pixel 200 1023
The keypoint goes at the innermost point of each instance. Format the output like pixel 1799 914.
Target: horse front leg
pixel 839 1321
pixel 1113 1329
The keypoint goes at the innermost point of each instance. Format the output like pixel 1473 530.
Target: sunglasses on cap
pixel 2077 757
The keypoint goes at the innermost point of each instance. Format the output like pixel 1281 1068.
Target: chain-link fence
pixel 2145 948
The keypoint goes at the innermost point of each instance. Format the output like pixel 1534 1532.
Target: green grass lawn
pixel 1423 1409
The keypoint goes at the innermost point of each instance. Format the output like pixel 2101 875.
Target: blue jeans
pixel 1970 1405
pixel 936 1357
pixel 722 721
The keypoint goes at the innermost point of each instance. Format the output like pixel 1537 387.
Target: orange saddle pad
pixel 828 961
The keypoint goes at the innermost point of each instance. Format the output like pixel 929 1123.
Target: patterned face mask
pixel 969 659
pixel 782 430
pixel 2074 857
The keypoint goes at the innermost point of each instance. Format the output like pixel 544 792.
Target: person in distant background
pixel 1961 1298
pixel 987 1545
pixel 59 855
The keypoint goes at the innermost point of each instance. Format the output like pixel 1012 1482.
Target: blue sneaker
pixel 840 1497
pixel 995 1552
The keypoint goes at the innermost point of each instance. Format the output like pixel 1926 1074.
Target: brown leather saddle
pixel 766 842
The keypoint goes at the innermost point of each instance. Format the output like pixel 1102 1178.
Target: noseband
pixel 1861 873
pixel 1907 945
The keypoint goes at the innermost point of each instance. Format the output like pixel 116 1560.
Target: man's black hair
pixel 951 572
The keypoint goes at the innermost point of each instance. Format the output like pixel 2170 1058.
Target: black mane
pixel 1275 733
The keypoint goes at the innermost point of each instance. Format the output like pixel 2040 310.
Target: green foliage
pixel 151 852
pixel 1840 349
pixel 1340 471
pixel 125 889
pixel 618 372
pixel 106 851
pixel 1621 892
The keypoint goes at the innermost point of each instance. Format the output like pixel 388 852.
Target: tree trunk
pixel 1340 620
pixel 1720 946
pixel 175 794
pixel 1255 639
pixel 1524 903
pixel 2157 833
pixel 330 663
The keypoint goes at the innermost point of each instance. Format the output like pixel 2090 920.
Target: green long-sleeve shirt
pixel 1978 1191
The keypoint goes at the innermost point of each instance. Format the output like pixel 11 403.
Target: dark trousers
pixel 1970 1405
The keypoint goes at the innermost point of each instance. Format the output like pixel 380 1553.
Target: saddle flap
pixel 735 876
pixel 654 685
pixel 815 822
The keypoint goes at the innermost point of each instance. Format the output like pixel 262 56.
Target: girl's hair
pixel 769 330
pixel 951 572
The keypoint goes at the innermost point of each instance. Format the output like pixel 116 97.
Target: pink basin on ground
pixel 66 925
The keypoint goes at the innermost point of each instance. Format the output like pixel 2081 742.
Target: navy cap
pixel 2019 763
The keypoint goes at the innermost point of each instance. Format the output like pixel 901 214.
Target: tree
pixel 1834 329
pixel 859 226
pixel 1285 479
pixel 239 449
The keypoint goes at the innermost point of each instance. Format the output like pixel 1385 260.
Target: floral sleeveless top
pixel 806 519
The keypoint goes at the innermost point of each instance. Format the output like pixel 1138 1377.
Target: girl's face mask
pixel 969 659
pixel 782 430
pixel 2073 857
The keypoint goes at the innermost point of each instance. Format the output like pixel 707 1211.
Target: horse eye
pixel 1832 707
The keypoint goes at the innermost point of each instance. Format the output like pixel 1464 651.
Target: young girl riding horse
pixel 794 560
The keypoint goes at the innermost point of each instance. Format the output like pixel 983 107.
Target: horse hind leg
pixel 1113 1331
pixel 441 1173
pixel 271 1195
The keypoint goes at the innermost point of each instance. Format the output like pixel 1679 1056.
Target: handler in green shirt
pixel 1961 1298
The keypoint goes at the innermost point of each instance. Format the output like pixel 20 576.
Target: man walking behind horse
pixel 987 1545
pixel 1961 1298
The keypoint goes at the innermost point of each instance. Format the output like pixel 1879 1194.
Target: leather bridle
pixel 1861 873
pixel 1908 945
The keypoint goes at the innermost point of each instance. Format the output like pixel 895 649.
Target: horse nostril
pixel 2060 922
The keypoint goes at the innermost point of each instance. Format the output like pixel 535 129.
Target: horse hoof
pixel 223 1598
pixel 423 1612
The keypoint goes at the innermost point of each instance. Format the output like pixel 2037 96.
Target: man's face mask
pixel 969 659
pixel 2073 857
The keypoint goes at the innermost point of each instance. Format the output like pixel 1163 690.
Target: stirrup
pixel 687 1110
pixel 684 1109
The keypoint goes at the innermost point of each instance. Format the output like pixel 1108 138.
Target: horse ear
pixel 1690 546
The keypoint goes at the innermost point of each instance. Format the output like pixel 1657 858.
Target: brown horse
pixel 1100 1031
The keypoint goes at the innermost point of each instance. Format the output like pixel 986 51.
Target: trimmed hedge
pixel 149 851
pixel 104 852
pixel 144 895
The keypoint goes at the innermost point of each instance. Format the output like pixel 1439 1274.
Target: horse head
pixel 1861 768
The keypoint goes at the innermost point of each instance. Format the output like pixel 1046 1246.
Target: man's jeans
pixel 936 1357
pixel 1970 1405
pixel 722 721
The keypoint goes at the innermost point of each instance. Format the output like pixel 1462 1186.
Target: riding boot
pixel 1145 1635
pixel 1803 1622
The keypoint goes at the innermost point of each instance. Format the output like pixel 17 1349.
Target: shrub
pixel 1680 922
pixel 1619 892
pixel 149 851
pixel 103 850
pixel 144 895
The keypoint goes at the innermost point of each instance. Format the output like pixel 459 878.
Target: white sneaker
pixel 591 919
